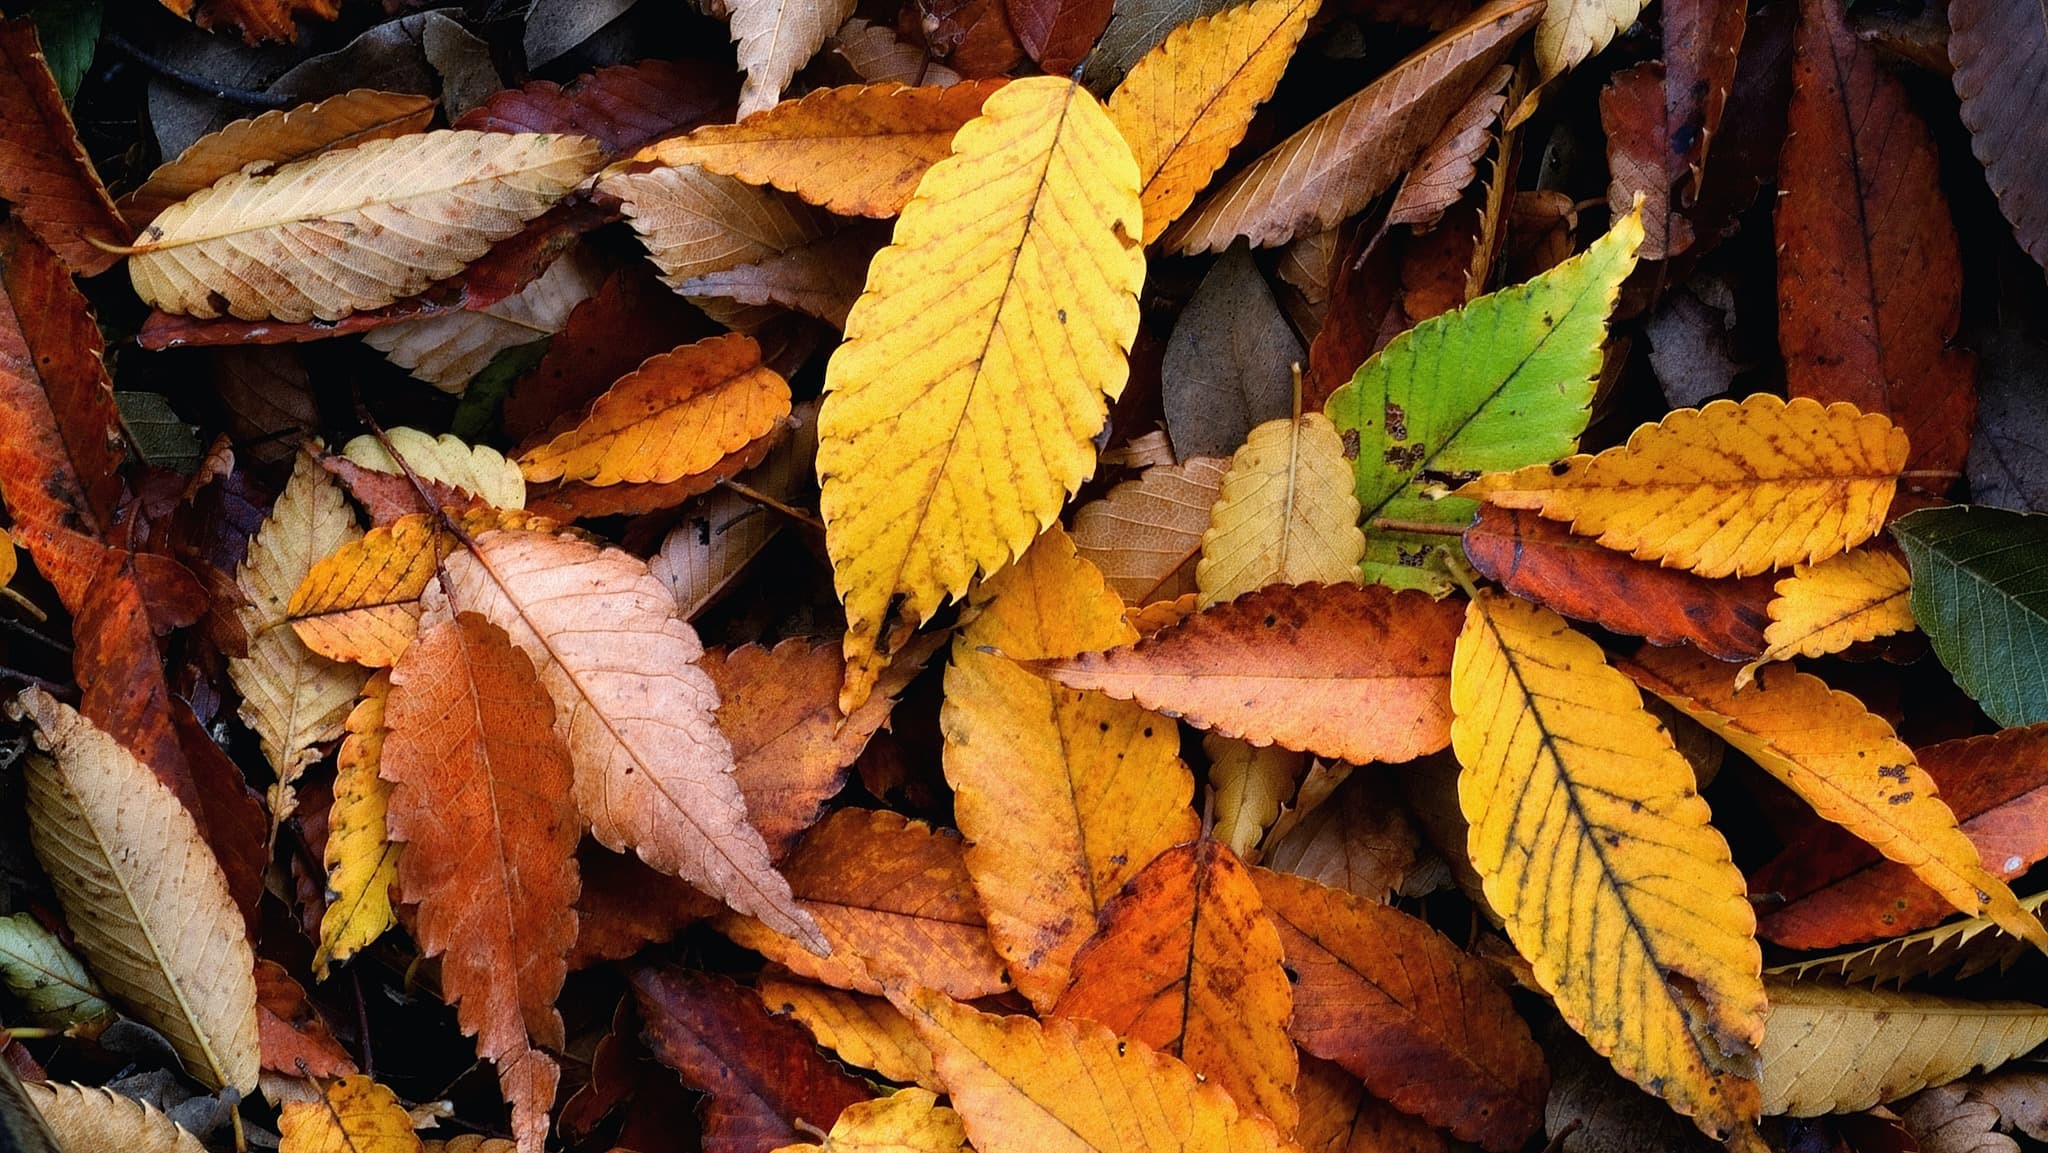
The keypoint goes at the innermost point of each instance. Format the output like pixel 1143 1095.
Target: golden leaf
pixel 908 1121
pixel 294 698
pixel 1062 795
pixel 85 1117
pixel 1726 490
pixel 1286 513
pixel 352 1115
pixel 1187 102
pixel 1594 847
pixel 142 893
pixel 1072 1086
pixel 1248 784
pixel 473 468
pixel 865 1032
pixel 1823 608
pixel 943 383
pixel 351 229
pixel 361 859
pixel 1829 1049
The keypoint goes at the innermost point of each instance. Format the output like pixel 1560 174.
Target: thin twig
pixel 193 80
pixel 789 510
pixel 45 639
pixel 1426 527
pixel 48 686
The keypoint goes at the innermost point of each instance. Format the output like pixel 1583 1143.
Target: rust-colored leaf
pixel 632 317
pixel 1339 1116
pixel 295 1040
pixel 621 107
pixel 1702 42
pixel 1642 159
pixel 1058 33
pixel 45 176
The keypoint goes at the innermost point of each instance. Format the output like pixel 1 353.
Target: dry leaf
pixel 1228 365
pixel 866 1032
pixel 46 177
pixel 1285 514
pixel 362 861
pixel 909 1121
pixel 1823 608
pixel 351 1115
pixel 449 349
pixel 777 37
pixel 1247 786
pixel 1146 534
pixel 84 1117
pixel 478 469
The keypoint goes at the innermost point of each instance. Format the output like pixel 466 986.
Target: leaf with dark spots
pixel 1702 42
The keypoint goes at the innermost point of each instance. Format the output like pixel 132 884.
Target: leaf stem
pixel 1425 527
pixel 761 498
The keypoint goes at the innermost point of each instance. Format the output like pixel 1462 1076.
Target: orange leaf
pixel 1187 962
pixel 1339 1116
pixel 856 151
pixel 895 901
pixel 45 176
pixel 1358 674
pixel 289 1030
pixel 480 795
pixel 1421 1022
pixel 864 1031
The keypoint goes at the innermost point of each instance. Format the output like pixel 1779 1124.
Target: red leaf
pixel 632 317
pixel 45 176
pixel 974 36
pixel 626 906
pixel 1642 159
pixel 1543 561
pixel 1869 277
pixel 1058 33
pixel 1364 296
pixel 621 107
pixel 296 1041
pixel 761 1072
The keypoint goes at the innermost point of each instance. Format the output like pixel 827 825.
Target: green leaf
pixel 159 436
pixel 1980 593
pixel 52 986
pixel 70 32
pixel 1503 382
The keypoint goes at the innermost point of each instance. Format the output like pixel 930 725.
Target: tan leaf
pixel 85 1117
pixel 447 459
pixel 1145 534
pixel 695 222
pixel 874 51
pixel 1247 786
pixel 142 893
pixel 777 37
pixel 351 229
pixel 448 349
pixel 1286 513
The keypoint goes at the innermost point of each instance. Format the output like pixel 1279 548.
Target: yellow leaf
pixel 353 1115
pixel 908 1121
pixel 1249 784
pixel 960 411
pixel 9 565
pixel 362 860
pixel 676 415
pixel 1062 795
pixel 1843 760
pixel 295 699
pixel 142 893
pixel 1823 608
pixel 83 1117
pixel 351 229
pixel 1834 1050
pixel 1595 849
pixel 1146 534
pixel 1286 513
pixel 1071 1086
pixel 1726 490
pixel 449 348
pixel 1187 103
pixel 866 1032
pixel 473 468
pixel 777 37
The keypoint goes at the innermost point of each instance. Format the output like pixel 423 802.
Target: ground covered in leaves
pixel 1028 575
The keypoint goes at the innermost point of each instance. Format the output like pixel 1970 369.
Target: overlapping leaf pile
pixel 1024 575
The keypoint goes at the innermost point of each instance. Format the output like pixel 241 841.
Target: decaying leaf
pixel 1967 947
pixel 84 1117
pixel 1228 363
pixel 1572 30
pixel 1247 786
pixel 1146 534
pixel 446 459
pixel 45 175
pixel 2000 53
pixel 448 350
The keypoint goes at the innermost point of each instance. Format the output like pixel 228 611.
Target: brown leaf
pixel 625 906
pixel 1359 840
pixel 1339 1116
pixel 1869 277
pixel 1451 162
pixel 1359 674
pixel 894 899
pixel 621 107
pixel 1186 961
pixel 45 176
pixel 1057 34
pixel 1642 159
pixel 1543 561
pixel 821 279
pixel 761 1073
pixel 1702 42
pixel 1350 154
pixel 1146 534
pixel 1420 1022
pixel 975 36
pixel 2001 58
pixel 480 784
pixel 295 1040
pixel 256 20
pixel 1229 362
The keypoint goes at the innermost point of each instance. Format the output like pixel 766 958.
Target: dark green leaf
pixel 70 31
pixel 1980 592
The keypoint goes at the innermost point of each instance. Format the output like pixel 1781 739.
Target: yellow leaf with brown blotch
pixel 1823 608
pixel 352 1115
pixel 1185 961
pixel 361 859
pixel 1594 847
pixel 1844 761
pixel 1062 795
pixel 676 415
pixel 351 229
pixel 1072 1086
pixel 1187 102
pixel 856 151
pixel 947 380
pixel 907 1121
pixel 1286 513
pixel 1731 489
pixel 865 1032
pixel 893 898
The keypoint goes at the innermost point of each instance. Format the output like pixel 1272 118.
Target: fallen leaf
pixel 1869 275
pixel 894 899
pixel 676 415
pixel 1641 161
pixel 361 859
pixel 953 379
pixel 874 52
pixel 723 531
pixel 447 460
pixel 87 1117
pixel 1843 760
pixel 1285 514
pixel 1823 608
pixel 579 500
pixel 865 1032
pixel 1062 796
pixel 1400 1007
pixel 352 1115
pixel 777 37
pixel 2007 467
pixel 1185 961
pixel 144 897
pixel 50 984
pixel 1357 838
pixel 1145 535
pixel 694 222
pixel 1339 1116
pixel 480 796
pixel 760 1073
pixel 1358 674
pixel 1341 160
pixel 1454 396
pixel 2000 53
pixel 1976 595
pixel 1247 786
pixel 907 1121
pixel 293 1038
pixel 1968 947
pixel 1229 362
pixel 1451 162
pixel 653 773
pixel 1572 30
pixel 46 178
pixel 1058 34
pixel 821 279
pixel 1188 102
pixel 856 151
pixel 1702 42
pixel 242 246
pixel 1013 1082
pixel 1833 1050
pixel 1728 489
pixel 1620 839
pixel 621 107
pixel 1610 1115
pixel 448 350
